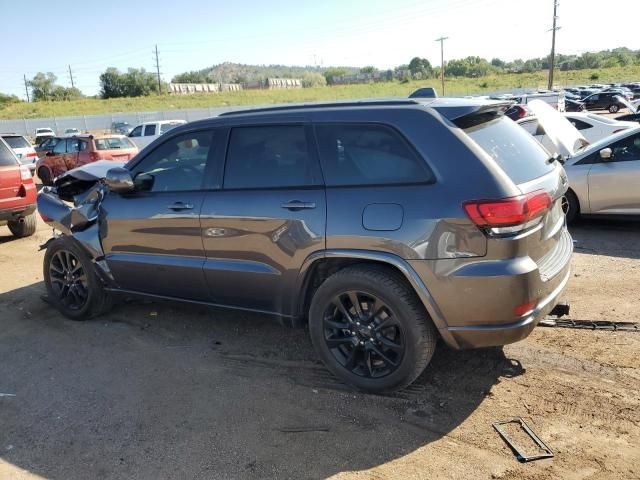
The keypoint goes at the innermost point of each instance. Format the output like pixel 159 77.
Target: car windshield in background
pixel 517 152
pixel 165 127
pixel 16 141
pixel 112 143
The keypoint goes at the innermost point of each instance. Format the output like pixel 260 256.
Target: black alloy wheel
pixel 68 280
pixel 363 334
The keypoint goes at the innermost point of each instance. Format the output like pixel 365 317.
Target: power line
pixel 552 60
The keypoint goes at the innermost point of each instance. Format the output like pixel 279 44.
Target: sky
pixel 92 35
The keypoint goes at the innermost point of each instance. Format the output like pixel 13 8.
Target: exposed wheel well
pixel 324 268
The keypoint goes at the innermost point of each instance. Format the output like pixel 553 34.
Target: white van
pixel 555 99
pixel 147 132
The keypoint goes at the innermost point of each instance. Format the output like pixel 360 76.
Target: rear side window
pixel 514 150
pixel 149 130
pixel 368 155
pixel 165 127
pixel 112 143
pixel 16 142
pixel 269 157
pixel 60 148
pixel 6 155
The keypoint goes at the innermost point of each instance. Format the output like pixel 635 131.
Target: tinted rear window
pixel 16 142
pixel 6 155
pixel 112 143
pixel 517 152
pixel 368 155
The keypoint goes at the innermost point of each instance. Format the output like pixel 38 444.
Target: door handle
pixel 295 205
pixel 178 206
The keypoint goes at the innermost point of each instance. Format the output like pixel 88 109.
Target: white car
pixel 41 134
pixel 604 176
pixel 70 132
pixel 147 132
pixel 595 127
pixel 23 149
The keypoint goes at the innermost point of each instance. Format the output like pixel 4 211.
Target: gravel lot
pixel 163 390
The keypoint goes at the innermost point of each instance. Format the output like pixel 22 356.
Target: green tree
pixel 334 72
pixel 368 70
pixel 136 82
pixel 192 77
pixel 420 67
pixel 313 79
pixel 6 100
pixel 42 86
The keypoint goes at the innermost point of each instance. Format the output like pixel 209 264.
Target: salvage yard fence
pixel 102 123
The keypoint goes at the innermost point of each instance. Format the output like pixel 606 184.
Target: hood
pixel 564 136
pixel 633 107
pixel 81 179
pixel 91 171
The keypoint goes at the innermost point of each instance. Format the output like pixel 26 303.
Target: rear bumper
pixel 477 299
pixel 16 212
pixel 477 336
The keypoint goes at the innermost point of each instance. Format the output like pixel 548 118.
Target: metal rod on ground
pixel 552 59
pixel 26 87
pixel 441 40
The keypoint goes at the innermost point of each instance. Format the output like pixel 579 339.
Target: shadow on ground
pixel 162 390
pixel 614 238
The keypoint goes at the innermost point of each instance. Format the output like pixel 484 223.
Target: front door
pixel 614 184
pixel 268 218
pixel 153 242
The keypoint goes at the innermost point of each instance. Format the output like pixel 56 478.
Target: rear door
pixel 614 185
pixel 153 242
pixel 266 220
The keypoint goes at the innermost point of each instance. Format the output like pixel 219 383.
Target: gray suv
pixel 386 225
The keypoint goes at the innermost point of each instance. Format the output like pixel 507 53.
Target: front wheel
pixel 570 206
pixel 370 330
pixel 613 108
pixel 72 284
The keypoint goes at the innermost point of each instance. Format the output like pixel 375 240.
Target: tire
pixel 87 287
pixel 571 207
pixel 393 317
pixel 44 175
pixel 613 108
pixel 24 228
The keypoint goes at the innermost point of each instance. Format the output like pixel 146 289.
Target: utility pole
pixel 158 70
pixel 71 77
pixel 441 40
pixel 26 87
pixel 552 60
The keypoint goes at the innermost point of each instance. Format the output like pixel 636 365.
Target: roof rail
pixel 302 106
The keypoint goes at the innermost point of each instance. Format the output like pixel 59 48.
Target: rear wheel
pixel 72 284
pixel 44 175
pixel 370 330
pixel 24 227
pixel 571 206
pixel 613 108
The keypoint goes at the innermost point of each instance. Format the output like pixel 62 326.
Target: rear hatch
pixel 120 149
pixel 536 225
pixel 10 181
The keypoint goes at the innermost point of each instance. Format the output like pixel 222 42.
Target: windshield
pixel 519 154
pixel 113 143
pixel 16 142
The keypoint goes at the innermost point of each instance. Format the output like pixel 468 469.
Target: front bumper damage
pixel 73 207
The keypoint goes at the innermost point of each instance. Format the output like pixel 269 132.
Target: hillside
pixel 454 86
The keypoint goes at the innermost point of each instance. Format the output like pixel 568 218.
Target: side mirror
pixel 119 180
pixel 605 154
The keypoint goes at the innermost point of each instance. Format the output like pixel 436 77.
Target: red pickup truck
pixel 17 194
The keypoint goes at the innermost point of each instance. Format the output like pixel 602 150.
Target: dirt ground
pixel 163 390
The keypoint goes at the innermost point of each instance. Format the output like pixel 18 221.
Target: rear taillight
pixel 25 173
pixel 509 215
